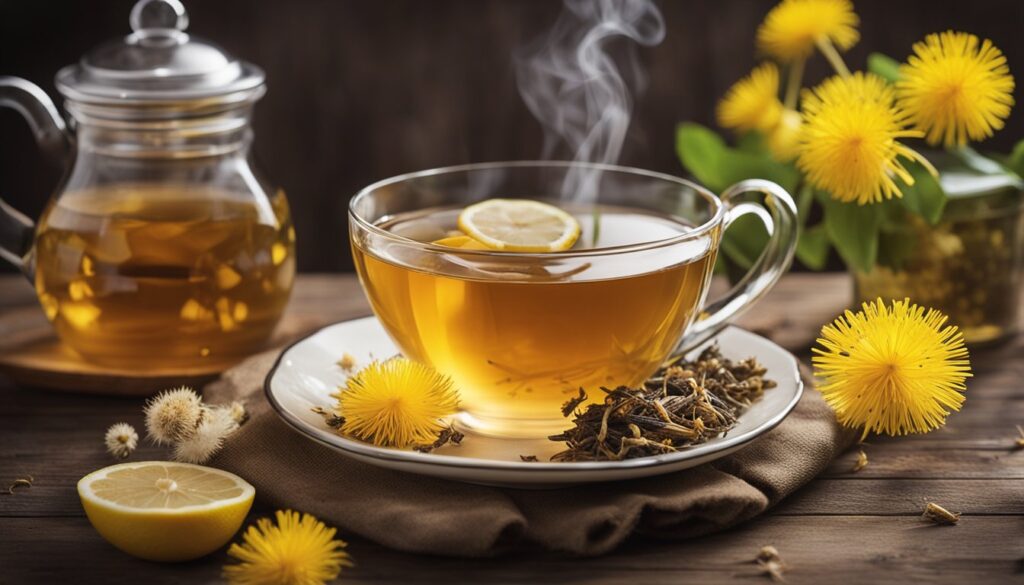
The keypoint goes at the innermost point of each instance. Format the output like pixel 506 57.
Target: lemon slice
pixel 164 511
pixel 519 225
pixel 463 242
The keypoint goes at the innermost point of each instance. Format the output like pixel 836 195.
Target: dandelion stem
pixel 829 51
pixel 796 77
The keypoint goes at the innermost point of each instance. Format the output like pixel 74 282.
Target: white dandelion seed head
pixel 238 412
pixel 173 415
pixel 208 438
pixel 121 439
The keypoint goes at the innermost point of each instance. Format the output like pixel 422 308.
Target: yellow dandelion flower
pixel 848 144
pixel 396 403
pixel 896 370
pixel 793 28
pixel 956 88
pixel 784 139
pixel 295 551
pixel 753 102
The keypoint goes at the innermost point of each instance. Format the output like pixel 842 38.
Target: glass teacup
pixel 521 333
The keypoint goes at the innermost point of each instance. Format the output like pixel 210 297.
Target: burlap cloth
pixel 426 515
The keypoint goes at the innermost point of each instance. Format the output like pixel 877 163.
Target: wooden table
pixel 843 527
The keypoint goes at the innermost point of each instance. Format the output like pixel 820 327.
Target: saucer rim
pixel 360 449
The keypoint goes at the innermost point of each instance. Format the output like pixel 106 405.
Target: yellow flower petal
pixel 849 140
pixel 396 403
pixel 298 550
pixel 892 369
pixel 956 88
pixel 753 102
pixel 791 30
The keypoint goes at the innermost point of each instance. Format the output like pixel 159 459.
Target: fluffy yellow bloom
pixel 893 370
pixel 784 139
pixel 397 403
pixel 848 144
pixel 753 102
pixel 793 28
pixel 295 551
pixel 955 87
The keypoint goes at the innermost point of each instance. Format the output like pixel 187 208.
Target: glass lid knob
pixel 158 22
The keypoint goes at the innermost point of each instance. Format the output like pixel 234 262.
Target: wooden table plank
pixel 842 527
pixel 819 549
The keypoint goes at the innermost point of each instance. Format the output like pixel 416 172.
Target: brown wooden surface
pixel 841 528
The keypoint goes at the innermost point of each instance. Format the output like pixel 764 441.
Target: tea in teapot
pixel 163 247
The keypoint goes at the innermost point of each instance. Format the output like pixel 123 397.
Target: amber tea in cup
pixel 519 334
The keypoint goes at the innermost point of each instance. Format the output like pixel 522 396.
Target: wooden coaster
pixel 31 355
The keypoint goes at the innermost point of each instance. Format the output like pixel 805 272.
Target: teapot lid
pixel 158 62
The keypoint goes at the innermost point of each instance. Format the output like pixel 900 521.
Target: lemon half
pixel 163 511
pixel 519 225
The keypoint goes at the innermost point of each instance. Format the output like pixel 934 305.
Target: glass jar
pixel 163 247
pixel 970 265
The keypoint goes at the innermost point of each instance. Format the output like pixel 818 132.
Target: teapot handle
pixel 16 230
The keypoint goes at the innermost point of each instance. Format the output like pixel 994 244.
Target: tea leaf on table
pixel 884 66
pixel 853 230
pixel 939 515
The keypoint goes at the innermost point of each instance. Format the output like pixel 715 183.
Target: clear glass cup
pixel 521 333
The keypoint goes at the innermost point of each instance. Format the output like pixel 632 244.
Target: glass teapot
pixel 162 247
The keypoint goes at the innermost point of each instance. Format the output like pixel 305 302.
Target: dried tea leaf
pixel 529 458
pixel 861 463
pixel 347 362
pixel 330 419
pixel 939 515
pixel 25 482
pixel 446 436
pixel 685 403
pixel 571 404
pixel 771 564
pixel 774 569
pixel 767 553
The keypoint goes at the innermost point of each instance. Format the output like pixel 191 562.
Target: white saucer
pixel 306 374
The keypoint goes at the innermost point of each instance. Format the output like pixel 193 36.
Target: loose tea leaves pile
pixel 685 403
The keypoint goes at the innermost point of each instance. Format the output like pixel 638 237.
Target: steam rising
pixel 578 91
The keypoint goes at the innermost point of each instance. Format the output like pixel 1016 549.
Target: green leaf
pixel 812 247
pixel 853 230
pixel 884 66
pixel 1016 162
pixel 804 200
pixel 752 142
pixel 744 241
pixel 925 197
pixel 706 156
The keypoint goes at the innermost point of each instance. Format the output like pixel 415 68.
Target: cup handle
pixel 54 141
pixel 779 215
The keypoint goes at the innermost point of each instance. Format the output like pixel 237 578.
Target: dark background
pixel 363 89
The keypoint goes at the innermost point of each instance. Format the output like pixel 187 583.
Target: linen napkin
pixel 427 515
